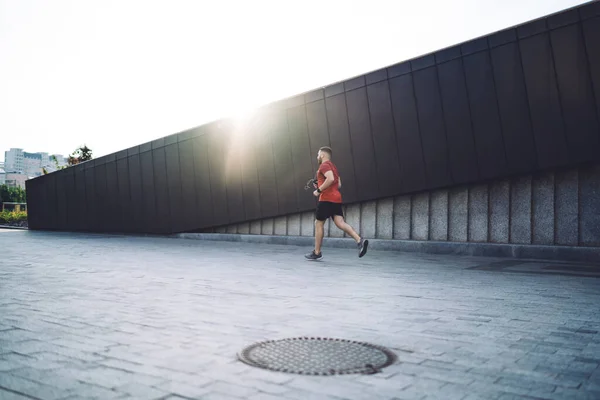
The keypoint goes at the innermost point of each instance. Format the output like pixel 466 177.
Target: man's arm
pixel 329 178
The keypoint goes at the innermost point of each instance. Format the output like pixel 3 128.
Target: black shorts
pixel 327 209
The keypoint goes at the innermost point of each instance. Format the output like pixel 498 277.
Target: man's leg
pixel 319 233
pixel 320 218
pixel 362 244
pixel 340 223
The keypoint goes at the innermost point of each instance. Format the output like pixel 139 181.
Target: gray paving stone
pixel 231 389
pixel 139 316
pixel 140 391
pixel 218 396
pixel 30 388
pixel 5 395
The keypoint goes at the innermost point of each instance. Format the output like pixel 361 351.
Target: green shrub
pixel 10 217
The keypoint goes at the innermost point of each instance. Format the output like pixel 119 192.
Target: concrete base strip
pixel 567 253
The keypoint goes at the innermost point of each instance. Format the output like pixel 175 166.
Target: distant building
pixel 31 164
pixel 15 179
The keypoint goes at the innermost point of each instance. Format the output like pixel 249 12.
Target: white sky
pixel 116 73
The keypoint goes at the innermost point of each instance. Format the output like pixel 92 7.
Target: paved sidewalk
pixel 112 317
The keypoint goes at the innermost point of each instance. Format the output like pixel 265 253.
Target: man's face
pixel 320 157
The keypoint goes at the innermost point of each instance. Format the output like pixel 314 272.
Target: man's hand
pixel 316 194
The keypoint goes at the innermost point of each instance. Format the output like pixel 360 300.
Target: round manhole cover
pixel 317 356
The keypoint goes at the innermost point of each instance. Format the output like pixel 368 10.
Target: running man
pixel 330 205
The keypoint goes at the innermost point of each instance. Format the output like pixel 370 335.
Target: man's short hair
pixel 327 150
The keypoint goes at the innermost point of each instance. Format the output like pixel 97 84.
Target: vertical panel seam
pixel 398 160
pixel 296 184
pixel 241 182
pixel 589 74
pixel 489 214
pixel 180 180
pixel 170 224
pixel 193 183
pixel 414 92
pixel 439 95
pixel 119 205
pixel 429 230
pixel 579 219
pixel 393 217
pixel 473 132
pixel 528 102
pixel 510 191
pixel 349 142
pixel 468 214
pixel 448 215
pixel 560 100
pixel 495 86
pixel 270 138
pixel 531 211
pixel 210 185
pixel 554 219
pixel 379 189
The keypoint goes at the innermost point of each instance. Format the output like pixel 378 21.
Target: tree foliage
pixel 81 154
pixel 12 194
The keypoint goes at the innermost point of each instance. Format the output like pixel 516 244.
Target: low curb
pixel 556 253
pixel 13 227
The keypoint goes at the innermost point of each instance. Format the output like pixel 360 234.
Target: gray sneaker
pixel 313 256
pixel 362 247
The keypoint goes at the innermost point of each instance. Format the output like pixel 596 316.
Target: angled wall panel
pixel 431 122
pixel 457 117
pixel 301 155
pixel 384 139
pixel 61 199
pixel 234 152
pixel 249 173
pixel 267 178
pixel 521 155
pixel 72 206
pixel 341 144
pixel 542 91
pixel 136 189
pixel 51 208
pixel 177 212
pixel 149 215
pixel 80 211
pixel 410 150
pixel 576 93
pixel 189 207
pixel 205 214
pixel 101 197
pixel 114 213
pixel 218 188
pixel 124 205
pixel 591 34
pixel 161 190
pixel 34 203
pixel 91 216
pixel 317 128
pixel 487 131
pixel 362 154
pixel 287 189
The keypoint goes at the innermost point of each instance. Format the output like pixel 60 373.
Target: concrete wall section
pixel 549 208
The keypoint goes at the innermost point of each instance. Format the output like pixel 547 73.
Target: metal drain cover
pixel 317 356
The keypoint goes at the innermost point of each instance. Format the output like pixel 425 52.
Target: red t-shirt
pixel 332 193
